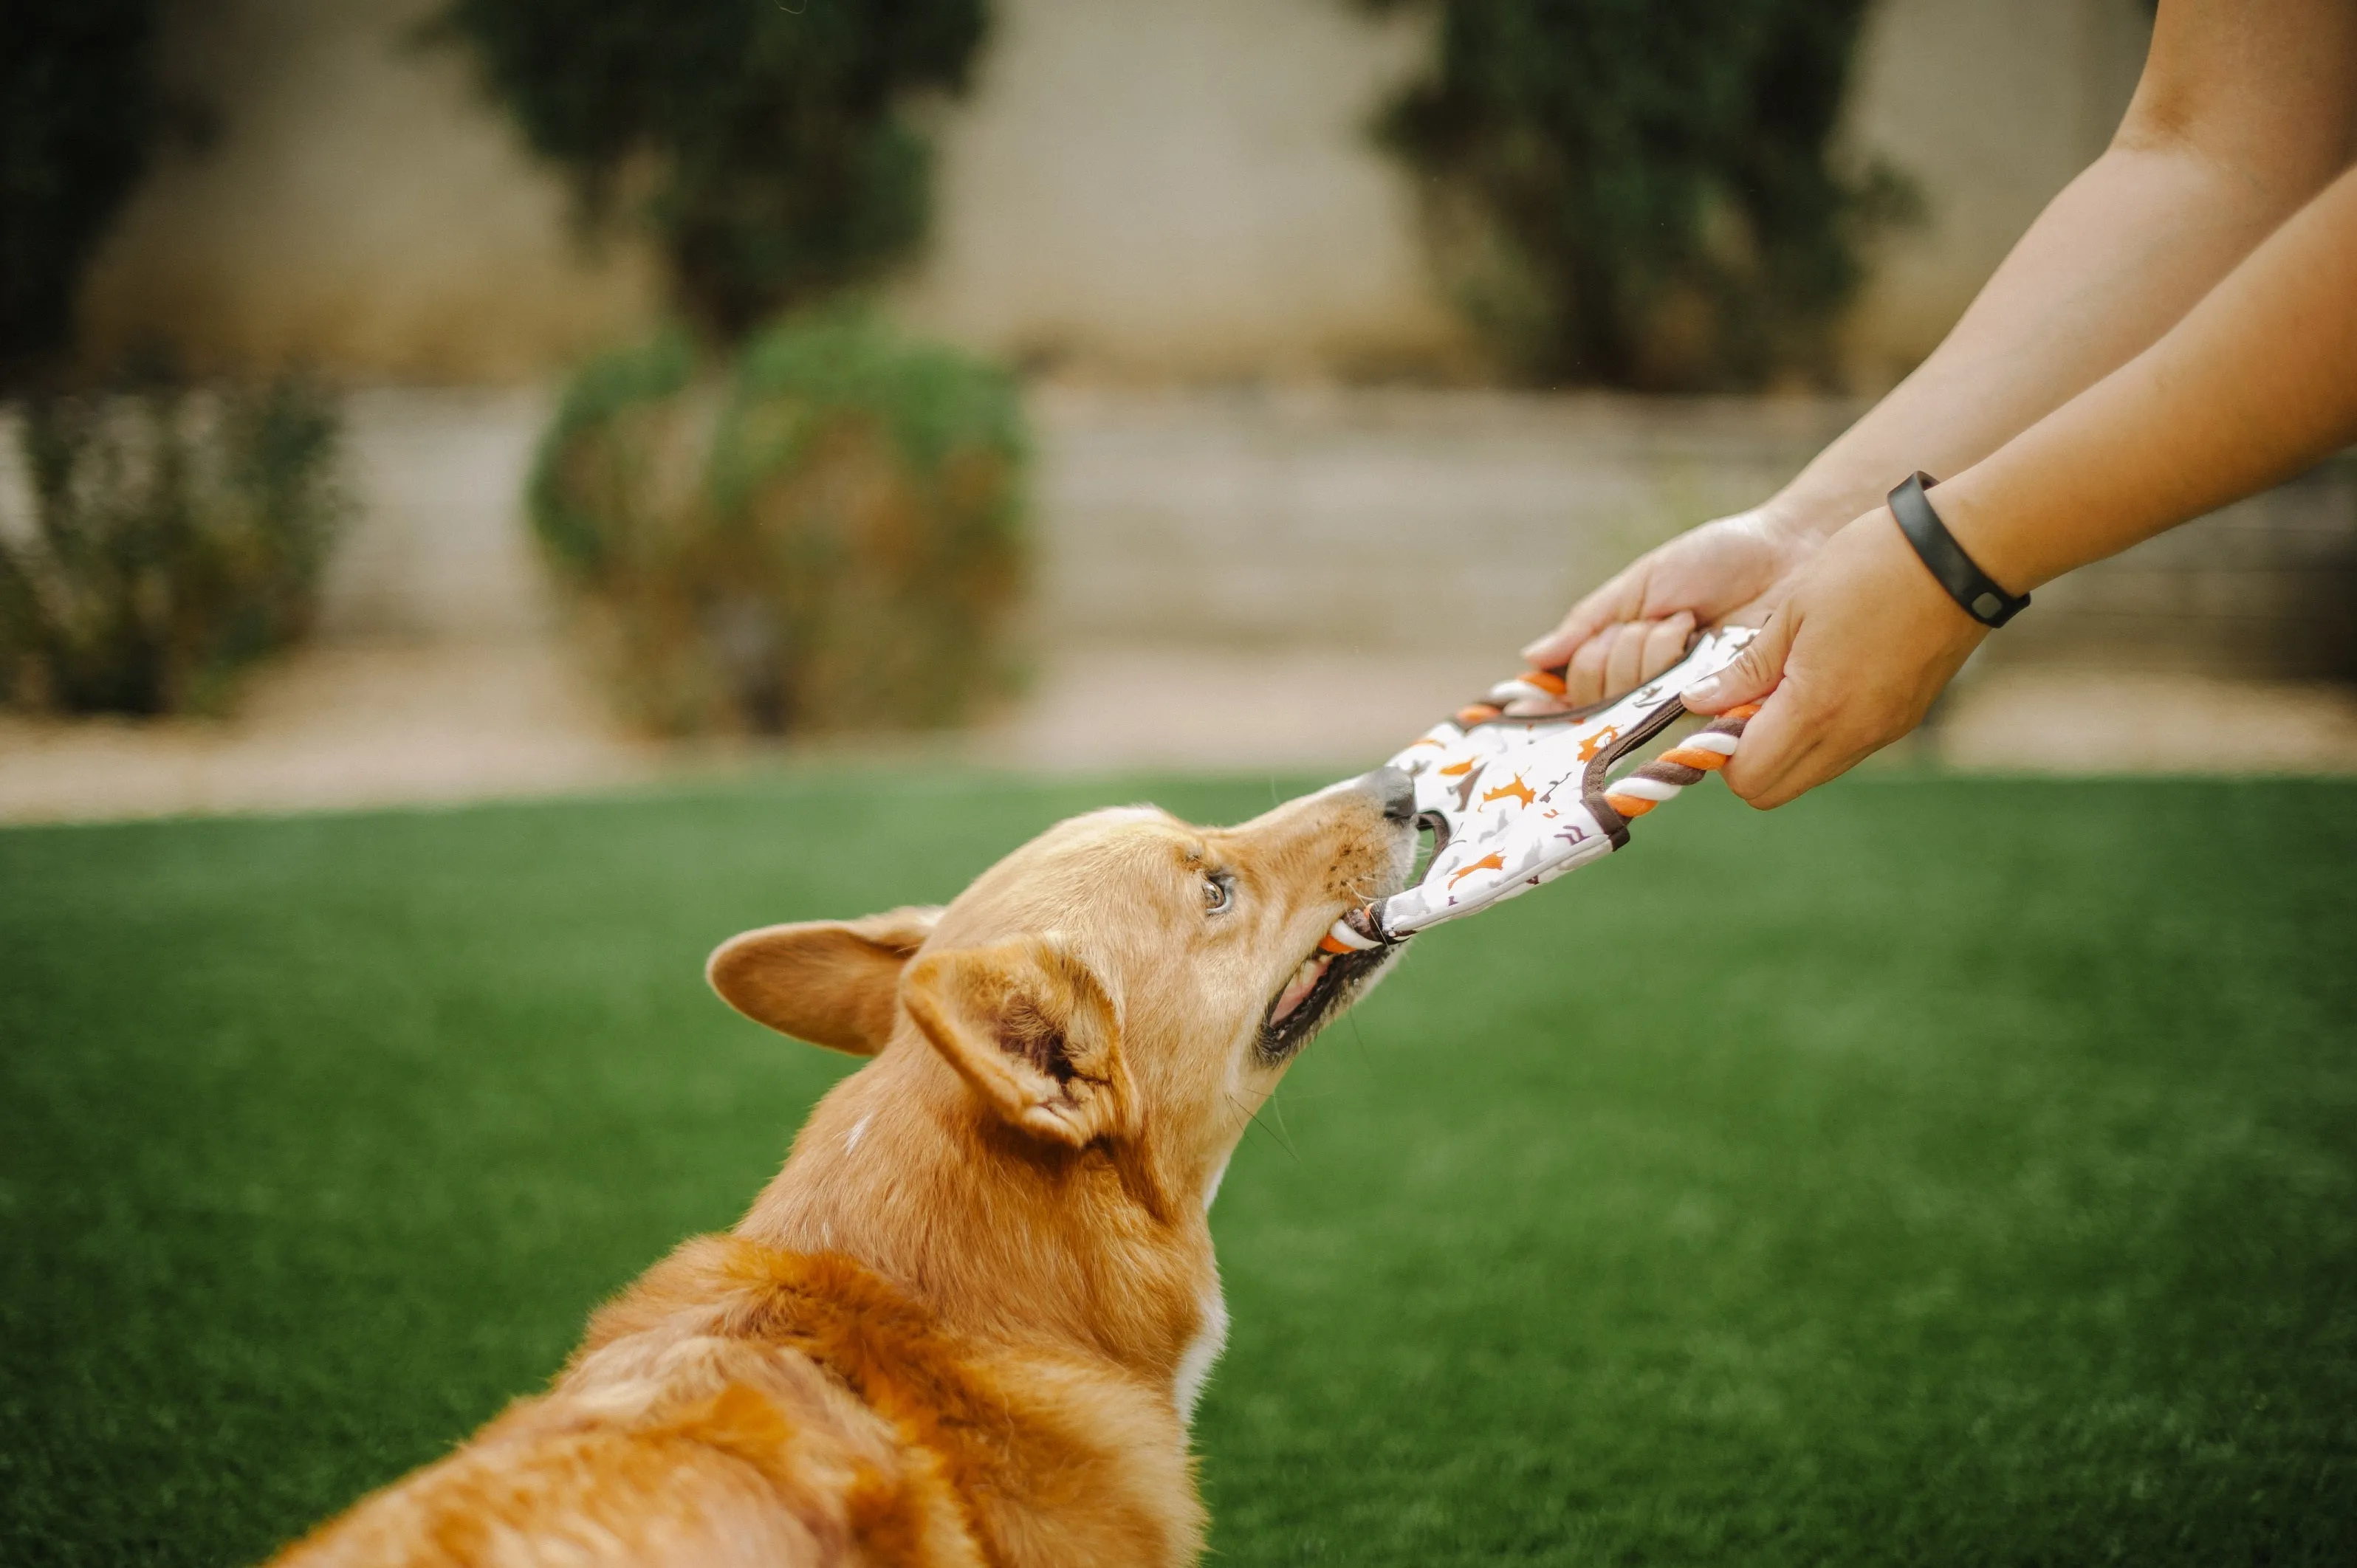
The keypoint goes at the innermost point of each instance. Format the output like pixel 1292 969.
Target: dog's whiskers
pixel 1254 1117
pixel 1282 1127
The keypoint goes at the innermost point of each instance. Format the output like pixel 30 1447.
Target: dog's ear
pixel 1028 1025
pixel 831 982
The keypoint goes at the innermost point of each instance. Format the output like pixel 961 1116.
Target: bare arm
pixel 2244 112
pixel 2256 382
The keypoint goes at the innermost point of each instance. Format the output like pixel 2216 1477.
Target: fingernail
pixel 1702 691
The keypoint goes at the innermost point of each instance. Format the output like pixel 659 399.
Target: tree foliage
pixel 175 537
pixel 777 161
pixel 1654 184
pixel 822 533
pixel 79 111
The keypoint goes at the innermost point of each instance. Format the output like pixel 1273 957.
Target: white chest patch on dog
pixel 1202 1351
pixel 1212 1193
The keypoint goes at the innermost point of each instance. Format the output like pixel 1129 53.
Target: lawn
pixel 1933 1172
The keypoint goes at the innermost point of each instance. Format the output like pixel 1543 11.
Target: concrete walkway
pixel 338 725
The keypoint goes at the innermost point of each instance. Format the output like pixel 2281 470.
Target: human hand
pixel 1855 651
pixel 1636 625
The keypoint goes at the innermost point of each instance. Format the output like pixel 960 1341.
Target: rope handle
pixel 1706 750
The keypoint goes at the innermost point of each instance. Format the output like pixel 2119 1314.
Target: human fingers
pixel 1621 665
pixel 1637 651
pixel 1584 677
pixel 1622 598
pixel 1752 675
pixel 1772 742
pixel 1666 644
pixel 1808 740
pixel 1728 565
pixel 1817 762
pixel 1864 642
pixel 1784 753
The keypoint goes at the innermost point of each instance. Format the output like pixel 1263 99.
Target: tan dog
pixel 967 1322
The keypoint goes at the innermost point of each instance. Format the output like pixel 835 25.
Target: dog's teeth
pixel 1298 988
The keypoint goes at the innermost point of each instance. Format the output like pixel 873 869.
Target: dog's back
pixel 679 1434
pixel 744 1404
pixel 967 1322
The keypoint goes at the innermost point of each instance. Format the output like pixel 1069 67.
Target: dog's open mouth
pixel 1325 982
pixel 1319 987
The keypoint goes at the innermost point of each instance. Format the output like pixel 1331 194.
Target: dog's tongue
pixel 1298 988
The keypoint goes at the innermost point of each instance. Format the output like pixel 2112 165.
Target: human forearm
pixel 2258 381
pixel 2116 260
pixel 2246 109
pixel 2243 113
pixel 2112 262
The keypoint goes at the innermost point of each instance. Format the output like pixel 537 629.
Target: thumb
pixel 1752 677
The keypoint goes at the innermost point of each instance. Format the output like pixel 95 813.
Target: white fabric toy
pixel 1518 788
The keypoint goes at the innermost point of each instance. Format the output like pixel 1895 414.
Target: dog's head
pixel 1124 979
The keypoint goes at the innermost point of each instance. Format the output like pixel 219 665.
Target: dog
pixel 968 1322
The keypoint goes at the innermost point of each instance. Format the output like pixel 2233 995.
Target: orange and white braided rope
pixel 1706 750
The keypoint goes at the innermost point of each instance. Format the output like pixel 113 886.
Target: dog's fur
pixel 967 1322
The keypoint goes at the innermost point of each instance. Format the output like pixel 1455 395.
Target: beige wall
pixel 1135 189
pixel 1184 188
pixel 1991 106
pixel 362 208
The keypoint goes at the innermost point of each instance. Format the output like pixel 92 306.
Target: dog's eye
pixel 1219 892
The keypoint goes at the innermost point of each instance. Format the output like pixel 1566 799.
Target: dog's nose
pixel 1394 790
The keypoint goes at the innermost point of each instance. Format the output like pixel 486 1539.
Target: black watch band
pixel 1966 584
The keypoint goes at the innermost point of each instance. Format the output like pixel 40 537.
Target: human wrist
pixel 1979 523
pixel 1802 515
pixel 1905 581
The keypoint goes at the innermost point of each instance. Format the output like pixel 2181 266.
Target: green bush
pixel 172 538
pixel 1646 193
pixel 824 535
pixel 79 111
pixel 777 163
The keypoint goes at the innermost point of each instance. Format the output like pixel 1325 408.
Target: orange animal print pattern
pixel 1486 863
pixel 1516 790
pixel 1520 787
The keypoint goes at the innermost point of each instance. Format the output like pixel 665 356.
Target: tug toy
pixel 1518 788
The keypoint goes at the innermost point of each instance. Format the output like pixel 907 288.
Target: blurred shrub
pixel 775 160
pixel 172 538
pixel 825 536
pixel 79 109
pixel 1645 192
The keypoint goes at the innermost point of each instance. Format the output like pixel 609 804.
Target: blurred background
pixel 829 442
pixel 417 400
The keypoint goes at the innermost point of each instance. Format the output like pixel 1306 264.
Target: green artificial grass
pixel 1932 1172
